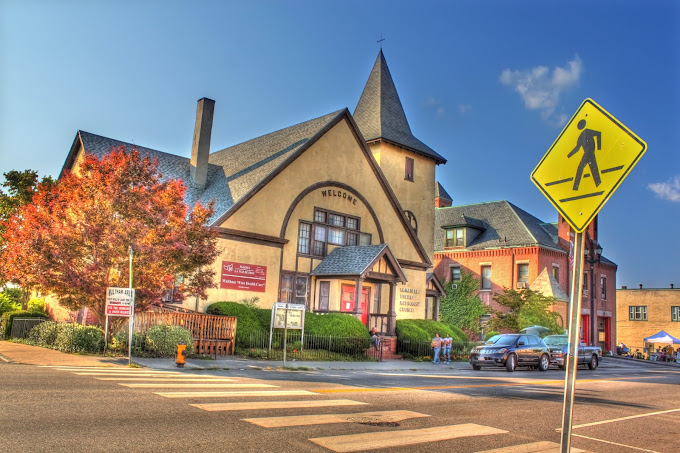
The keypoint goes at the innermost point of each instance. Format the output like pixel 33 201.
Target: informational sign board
pixel 587 163
pixel 242 276
pixel 296 316
pixel 119 301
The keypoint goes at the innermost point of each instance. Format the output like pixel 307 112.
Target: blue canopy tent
pixel 662 337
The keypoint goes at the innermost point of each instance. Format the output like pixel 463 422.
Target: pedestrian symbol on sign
pixel 578 188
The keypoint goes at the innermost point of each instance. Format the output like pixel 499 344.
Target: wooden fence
pixel 212 334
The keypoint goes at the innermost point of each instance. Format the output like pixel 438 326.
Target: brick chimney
pixel 200 149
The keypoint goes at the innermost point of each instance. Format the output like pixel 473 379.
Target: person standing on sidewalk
pixel 446 344
pixel 437 346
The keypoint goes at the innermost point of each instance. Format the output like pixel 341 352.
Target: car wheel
pixel 511 363
pixel 543 363
pixel 593 362
pixel 476 367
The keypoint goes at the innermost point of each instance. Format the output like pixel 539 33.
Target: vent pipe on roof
pixel 200 149
pixel 640 285
pixel 671 286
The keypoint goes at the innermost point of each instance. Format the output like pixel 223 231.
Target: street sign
pixel 587 163
pixel 119 301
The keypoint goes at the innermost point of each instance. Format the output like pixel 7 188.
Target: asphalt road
pixel 620 407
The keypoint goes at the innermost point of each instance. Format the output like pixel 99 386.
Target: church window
pixel 408 169
pixel 412 220
pixel 330 228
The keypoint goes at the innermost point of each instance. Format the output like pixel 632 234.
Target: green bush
pixel 248 319
pixel 425 329
pixel 64 340
pixel 44 334
pixel 8 318
pixel 36 304
pixel 87 339
pixel 162 339
pixel 120 342
pixel 348 332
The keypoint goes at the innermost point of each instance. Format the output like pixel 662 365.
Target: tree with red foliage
pixel 73 241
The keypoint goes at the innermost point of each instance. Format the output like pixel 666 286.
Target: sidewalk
pixel 34 355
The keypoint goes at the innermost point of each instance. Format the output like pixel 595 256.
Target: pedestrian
pixel 437 346
pixel 374 338
pixel 446 344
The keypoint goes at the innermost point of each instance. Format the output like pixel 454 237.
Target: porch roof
pixel 358 261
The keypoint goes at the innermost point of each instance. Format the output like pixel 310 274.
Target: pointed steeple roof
pixel 379 113
pixel 440 192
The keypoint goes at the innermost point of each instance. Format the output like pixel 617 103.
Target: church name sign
pixel 407 299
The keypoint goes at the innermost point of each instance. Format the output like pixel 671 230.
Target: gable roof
pixel 380 115
pixel 505 224
pixel 546 284
pixel 357 260
pixel 232 172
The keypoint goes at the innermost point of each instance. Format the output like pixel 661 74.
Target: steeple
pixel 380 115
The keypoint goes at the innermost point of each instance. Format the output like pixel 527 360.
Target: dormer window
pixel 455 237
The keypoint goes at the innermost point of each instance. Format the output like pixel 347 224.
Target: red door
pixel 364 305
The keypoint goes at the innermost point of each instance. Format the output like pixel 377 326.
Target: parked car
pixel 510 351
pixel 558 345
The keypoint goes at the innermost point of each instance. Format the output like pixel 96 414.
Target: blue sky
pixel 487 84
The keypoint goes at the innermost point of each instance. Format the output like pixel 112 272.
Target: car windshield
pixel 502 340
pixel 555 340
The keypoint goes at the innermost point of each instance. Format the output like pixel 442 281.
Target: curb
pixel 6 359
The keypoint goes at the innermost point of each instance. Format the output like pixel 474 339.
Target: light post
pixel 593 254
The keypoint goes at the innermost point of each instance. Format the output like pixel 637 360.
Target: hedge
pixel 424 330
pixel 162 339
pixel 68 337
pixel 346 328
pixel 8 318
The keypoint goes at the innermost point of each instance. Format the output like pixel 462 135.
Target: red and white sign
pixel 119 301
pixel 246 277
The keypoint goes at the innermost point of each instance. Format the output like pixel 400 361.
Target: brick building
pixel 641 313
pixel 506 247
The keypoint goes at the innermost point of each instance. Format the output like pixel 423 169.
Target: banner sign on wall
pixel 245 277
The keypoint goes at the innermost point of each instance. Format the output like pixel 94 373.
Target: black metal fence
pixel 424 350
pixel 309 348
pixel 22 326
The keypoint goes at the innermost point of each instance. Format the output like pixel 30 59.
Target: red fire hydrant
pixel 181 354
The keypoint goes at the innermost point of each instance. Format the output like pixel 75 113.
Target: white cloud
pixel 667 190
pixel 432 103
pixel 464 108
pixel 540 88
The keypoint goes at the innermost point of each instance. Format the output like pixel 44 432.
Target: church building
pixel 336 213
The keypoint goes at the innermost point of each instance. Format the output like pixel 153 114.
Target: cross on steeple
pixel 380 41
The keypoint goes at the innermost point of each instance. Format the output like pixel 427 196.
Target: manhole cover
pixel 379 423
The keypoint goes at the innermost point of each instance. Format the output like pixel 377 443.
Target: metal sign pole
pixel 572 352
pixel 132 309
pixel 285 334
pixel 106 332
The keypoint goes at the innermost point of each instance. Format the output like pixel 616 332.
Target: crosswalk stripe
pixel 260 405
pixel 167 379
pixel 115 370
pixel 386 439
pixel 535 447
pixel 195 385
pixel 133 374
pixel 326 419
pixel 235 394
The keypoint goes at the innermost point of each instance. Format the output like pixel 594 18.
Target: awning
pixel 662 337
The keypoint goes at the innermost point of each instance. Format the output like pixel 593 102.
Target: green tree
pixel 523 309
pixel 461 306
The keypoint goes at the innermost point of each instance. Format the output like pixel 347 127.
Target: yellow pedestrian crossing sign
pixel 586 164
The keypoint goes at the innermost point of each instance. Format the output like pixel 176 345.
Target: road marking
pixel 613 443
pixel 259 405
pixel 326 419
pixel 559 383
pixel 536 447
pixel 386 439
pixel 234 394
pixel 167 379
pixel 135 374
pixel 630 417
pixel 197 386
